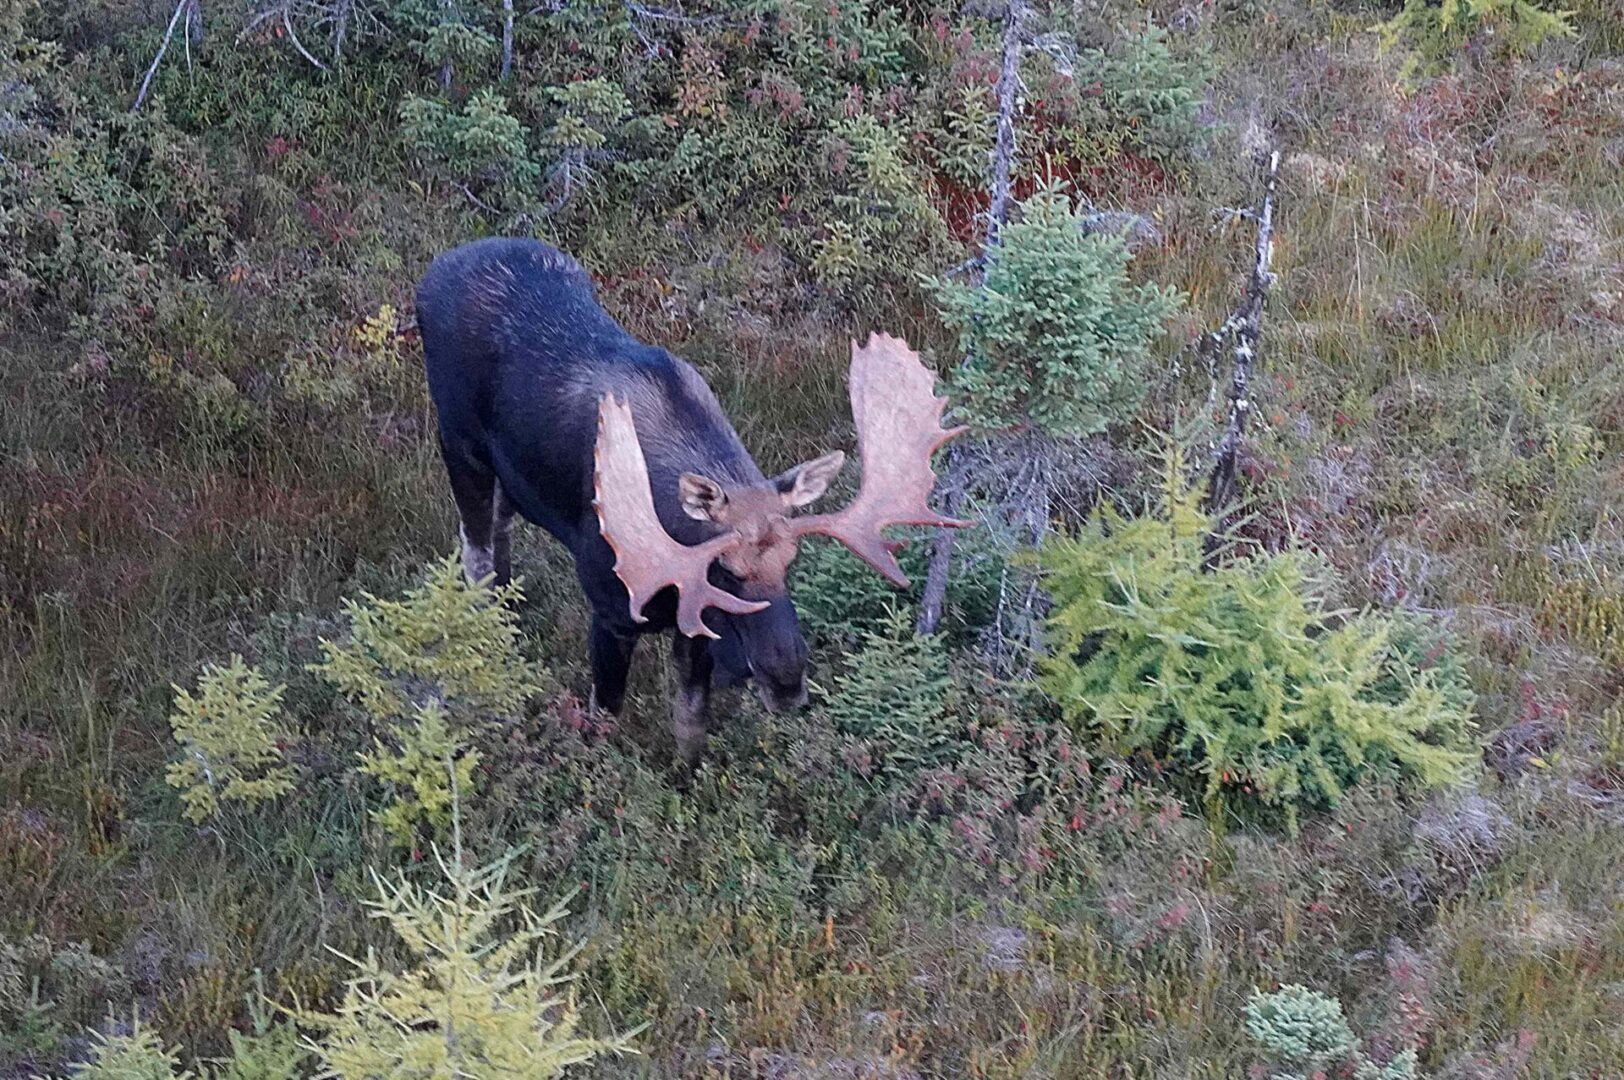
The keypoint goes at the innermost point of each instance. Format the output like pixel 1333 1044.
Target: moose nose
pixel 781 697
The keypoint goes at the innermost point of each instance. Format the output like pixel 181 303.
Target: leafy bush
pixel 480 1000
pixel 230 740
pixel 1056 335
pixel 96 207
pixel 481 144
pixel 1237 679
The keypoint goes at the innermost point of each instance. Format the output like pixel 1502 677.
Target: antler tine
pixel 899 427
pixel 647 559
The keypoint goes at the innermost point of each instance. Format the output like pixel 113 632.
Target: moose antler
pixel 646 557
pixel 899 427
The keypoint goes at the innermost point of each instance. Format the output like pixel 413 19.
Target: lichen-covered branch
pixel 1244 327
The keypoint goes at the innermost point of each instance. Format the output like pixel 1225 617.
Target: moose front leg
pixel 611 652
pixel 691 709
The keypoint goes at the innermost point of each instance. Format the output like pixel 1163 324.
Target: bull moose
pixel 549 408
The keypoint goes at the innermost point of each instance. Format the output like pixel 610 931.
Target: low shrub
pixel 1237 680
pixel 1303 1034
pixel 230 741
pixel 478 1000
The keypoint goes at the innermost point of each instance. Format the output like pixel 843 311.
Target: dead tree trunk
pixel 1244 327
pixel 934 599
pixel 447 12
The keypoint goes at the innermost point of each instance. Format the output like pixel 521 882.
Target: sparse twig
pixel 293 36
pixel 182 8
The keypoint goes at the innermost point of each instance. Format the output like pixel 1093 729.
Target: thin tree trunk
pixel 507 39
pixel 1003 149
pixel 146 83
pixel 446 71
pixel 341 27
pixel 934 598
pixel 1248 326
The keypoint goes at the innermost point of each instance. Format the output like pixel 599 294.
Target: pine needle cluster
pixel 427 669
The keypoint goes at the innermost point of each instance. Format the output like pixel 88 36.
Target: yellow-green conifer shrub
pixel 415 765
pixel 1236 680
pixel 426 668
pixel 1439 29
pixel 478 1000
pixel 228 735
pixel 140 1055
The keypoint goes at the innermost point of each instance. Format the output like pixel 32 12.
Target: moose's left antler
pixel 646 557
pixel 899 427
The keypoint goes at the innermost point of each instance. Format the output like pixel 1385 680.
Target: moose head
pixel 741 569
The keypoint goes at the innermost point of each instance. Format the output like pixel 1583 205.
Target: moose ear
pixel 803 484
pixel 702 498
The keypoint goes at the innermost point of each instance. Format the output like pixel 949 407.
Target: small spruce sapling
pixel 428 669
pixel 1236 679
pixel 229 738
pixel 1303 1034
pixel 479 998
pixel 139 1055
pixel 1056 336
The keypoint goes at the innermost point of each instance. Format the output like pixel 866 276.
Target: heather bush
pixel 1238 679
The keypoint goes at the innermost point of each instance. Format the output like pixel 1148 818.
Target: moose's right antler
pixel 899 427
pixel 646 557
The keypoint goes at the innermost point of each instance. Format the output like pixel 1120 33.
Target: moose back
pixel 549 409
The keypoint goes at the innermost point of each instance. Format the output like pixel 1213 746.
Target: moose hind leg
pixel 474 489
pixel 502 537
pixel 691 710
